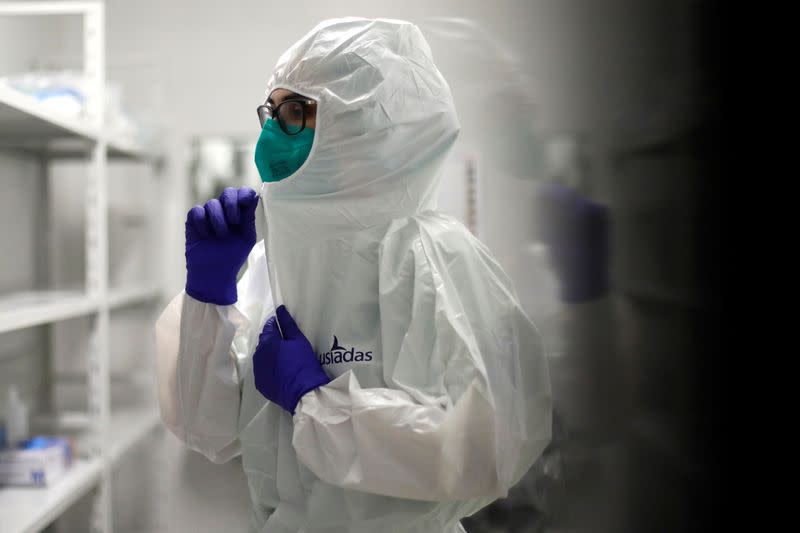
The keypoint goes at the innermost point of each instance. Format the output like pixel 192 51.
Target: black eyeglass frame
pixel 270 112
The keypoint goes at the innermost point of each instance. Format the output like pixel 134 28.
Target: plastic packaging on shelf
pixel 66 93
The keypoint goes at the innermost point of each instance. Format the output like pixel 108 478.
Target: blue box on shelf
pixel 39 461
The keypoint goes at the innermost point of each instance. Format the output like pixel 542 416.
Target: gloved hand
pixel 219 237
pixel 575 230
pixel 286 367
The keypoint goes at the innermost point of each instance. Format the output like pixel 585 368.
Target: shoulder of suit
pixel 431 223
pixel 429 233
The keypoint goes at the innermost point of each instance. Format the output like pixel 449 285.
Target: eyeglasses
pixel 291 114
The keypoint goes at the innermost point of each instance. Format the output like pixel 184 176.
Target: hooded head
pixel 385 122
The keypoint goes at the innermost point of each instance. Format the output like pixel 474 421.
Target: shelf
pixel 128 427
pixel 28 126
pixel 46 8
pixel 34 129
pixel 31 509
pixel 77 148
pixel 34 308
pixel 23 118
pixel 121 297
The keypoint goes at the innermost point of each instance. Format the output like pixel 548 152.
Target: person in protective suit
pixel 373 365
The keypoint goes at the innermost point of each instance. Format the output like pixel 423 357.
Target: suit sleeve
pixel 467 406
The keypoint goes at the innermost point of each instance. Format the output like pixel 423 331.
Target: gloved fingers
pixel 248 201
pixel 288 325
pixel 216 218
pixel 270 329
pixel 197 224
pixel 230 205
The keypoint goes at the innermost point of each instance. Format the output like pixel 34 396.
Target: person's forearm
pixel 381 441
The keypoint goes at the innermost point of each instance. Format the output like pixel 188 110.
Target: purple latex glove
pixel 286 367
pixel 576 231
pixel 219 237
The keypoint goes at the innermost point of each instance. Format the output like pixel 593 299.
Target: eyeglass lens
pixel 291 117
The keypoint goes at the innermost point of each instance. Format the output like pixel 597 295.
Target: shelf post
pixel 97 262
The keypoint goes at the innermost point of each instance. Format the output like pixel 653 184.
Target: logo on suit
pixel 339 354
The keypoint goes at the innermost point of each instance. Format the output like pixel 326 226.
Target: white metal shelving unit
pixel 27 127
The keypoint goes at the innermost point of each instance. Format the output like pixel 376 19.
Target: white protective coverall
pixel 440 399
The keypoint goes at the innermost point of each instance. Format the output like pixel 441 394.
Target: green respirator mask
pixel 279 155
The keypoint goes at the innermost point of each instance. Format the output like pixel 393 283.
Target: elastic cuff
pixel 317 379
pixel 222 295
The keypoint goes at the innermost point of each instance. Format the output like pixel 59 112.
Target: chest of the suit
pixel 333 292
